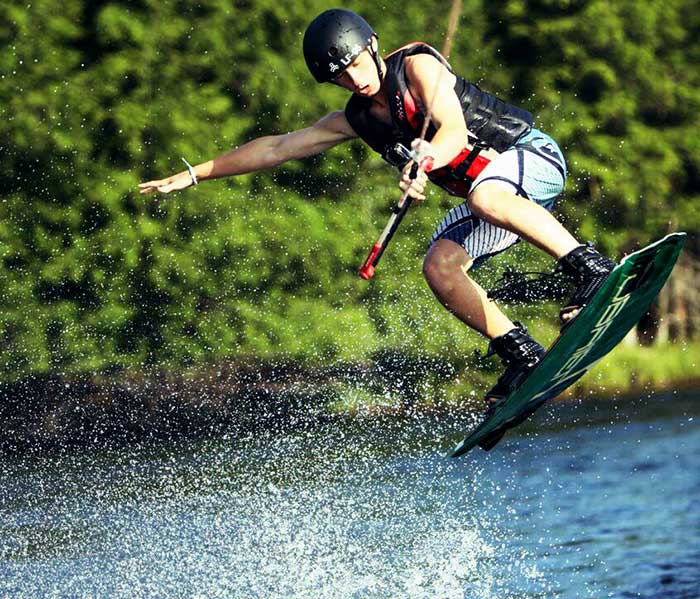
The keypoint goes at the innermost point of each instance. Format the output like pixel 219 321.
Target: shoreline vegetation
pixel 55 414
pixel 236 304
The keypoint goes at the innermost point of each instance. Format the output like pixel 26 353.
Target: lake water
pixel 599 499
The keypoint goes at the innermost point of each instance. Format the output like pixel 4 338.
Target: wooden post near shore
pixel 675 316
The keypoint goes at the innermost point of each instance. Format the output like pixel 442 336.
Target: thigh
pixel 534 168
pixel 479 238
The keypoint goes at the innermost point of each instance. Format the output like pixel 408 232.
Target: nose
pixel 353 75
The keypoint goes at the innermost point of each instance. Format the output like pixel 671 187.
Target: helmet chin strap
pixel 377 63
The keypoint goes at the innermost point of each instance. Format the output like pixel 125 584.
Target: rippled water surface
pixel 601 499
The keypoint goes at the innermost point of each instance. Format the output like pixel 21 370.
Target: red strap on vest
pixel 451 178
pixel 478 165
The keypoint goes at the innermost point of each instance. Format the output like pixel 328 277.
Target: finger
pixel 408 168
pixel 152 189
pixel 418 189
pixel 417 186
pixel 414 176
pixel 153 183
pixel 149 190
pixel 418 197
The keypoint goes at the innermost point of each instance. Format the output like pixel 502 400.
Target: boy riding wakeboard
pixel 477 147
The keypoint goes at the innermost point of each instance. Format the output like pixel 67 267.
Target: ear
pixel 375 43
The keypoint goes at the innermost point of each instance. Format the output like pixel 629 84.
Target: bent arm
pixel 263 153
pixel 434 86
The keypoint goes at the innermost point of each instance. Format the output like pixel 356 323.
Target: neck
pixel 380 97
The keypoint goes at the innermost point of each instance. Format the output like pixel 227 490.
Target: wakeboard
pixel 617 306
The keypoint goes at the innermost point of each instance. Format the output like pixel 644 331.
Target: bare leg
pixel 445 269
pixel 447 264
pixel 529 220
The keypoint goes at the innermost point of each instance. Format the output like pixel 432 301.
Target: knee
pixel 445 259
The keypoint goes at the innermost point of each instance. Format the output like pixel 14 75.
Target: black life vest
pixel 495 123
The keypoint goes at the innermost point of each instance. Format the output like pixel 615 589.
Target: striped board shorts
pixel 534 168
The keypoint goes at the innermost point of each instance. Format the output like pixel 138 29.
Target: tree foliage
pixel 97 96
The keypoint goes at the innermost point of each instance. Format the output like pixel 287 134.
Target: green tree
pixel 97 96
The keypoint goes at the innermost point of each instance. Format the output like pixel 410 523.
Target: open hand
pixel 174 183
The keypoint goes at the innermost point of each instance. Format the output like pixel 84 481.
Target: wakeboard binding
pixel 520 353
pixel 589 269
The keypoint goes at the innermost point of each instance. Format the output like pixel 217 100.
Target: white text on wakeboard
pixel 576 365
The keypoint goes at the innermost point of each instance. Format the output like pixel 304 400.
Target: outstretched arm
pixel 262 153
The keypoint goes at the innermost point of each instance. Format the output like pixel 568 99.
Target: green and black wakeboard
pixel 612 312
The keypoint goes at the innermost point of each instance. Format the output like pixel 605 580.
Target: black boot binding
pixel 520 353
pixel 589 269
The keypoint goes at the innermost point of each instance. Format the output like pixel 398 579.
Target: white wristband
pixel 191 171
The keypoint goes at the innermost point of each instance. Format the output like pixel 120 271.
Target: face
pixel 361 76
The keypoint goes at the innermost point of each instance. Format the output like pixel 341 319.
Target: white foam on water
pixel 308 516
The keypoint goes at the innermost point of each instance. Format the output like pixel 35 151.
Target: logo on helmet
pixel 347 59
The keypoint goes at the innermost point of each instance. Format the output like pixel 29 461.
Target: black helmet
pixel 333 40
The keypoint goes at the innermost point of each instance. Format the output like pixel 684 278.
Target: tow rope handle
pixel 367 269
pixel 399 211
